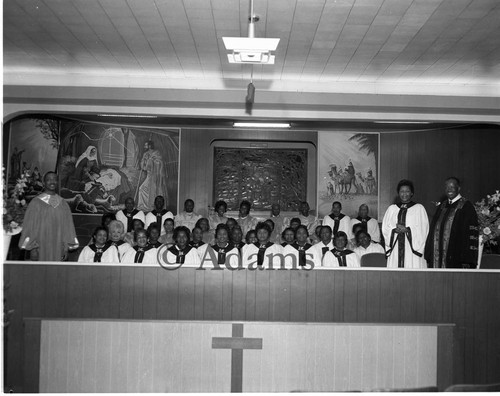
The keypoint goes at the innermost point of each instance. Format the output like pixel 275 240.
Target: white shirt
pixel 187 219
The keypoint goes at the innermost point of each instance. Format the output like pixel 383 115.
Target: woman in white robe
pixel 263 253
pixel 405 228
pixel 301 254
pixel 141 253
pixel 366 245
pixel 223 253
pixel 100 251
pixel 116 234
pixel 181 252
pixel 340 256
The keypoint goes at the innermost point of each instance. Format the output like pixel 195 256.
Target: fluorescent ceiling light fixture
pixel 402 122
pixel 251 50
pixel 127 115
pixel 261 125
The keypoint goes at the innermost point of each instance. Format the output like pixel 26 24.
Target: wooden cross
pixel 236 343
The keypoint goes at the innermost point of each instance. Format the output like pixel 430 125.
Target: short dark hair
pixel 221 227
pixel 153 226
pixel 106 216
pixel 270 221
pixel 340 234
pixel 360 232
pixel 168 219
pixel 337 202
pixel 97 229
pixel 263 226
pixel 245 202
pixel 181 229
pixel 48 173
pixel 134 220
pixel 188 200
pixel 141 230
pixel 407 183
pixel 295 220
pixel 328 227
pixel 457 180
pixel 219 204
pixel 303 227
pixel 286 230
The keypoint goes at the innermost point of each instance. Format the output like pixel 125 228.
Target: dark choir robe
pixel 141 255
pixel 341 258
pixel 302 256
pixel 263 256
pixel 227 255
pixel 454 236
pixel 93 254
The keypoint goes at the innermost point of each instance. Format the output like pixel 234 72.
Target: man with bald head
pixel 48 229
pixel 369 224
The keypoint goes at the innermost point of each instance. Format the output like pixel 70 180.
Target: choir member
pixel 136 226
pixel 181 252
pixel 454 236
pixel 251 237
pixel 167 238
pixel 141 253
pixel 127 215
pixel 197 241
pixel 326 243
pixel 353 242
pixel 208 235
pixel 223 252
pixel 300 254
pixel 279 221
pixel 218 217
pixel 101 250
pixel 107 218
pixel 188 217
pixel 116 234
pixel 159 214
pixel 305 218
pixel 340 256
pixel 315 238
pixel 371 224
pixel 154 235
pixel 405 228
pixel 231 223
pixel 288 236
pixel 338 221
pixel 294 224
pixel 263 253
pixel 236 238
pixel 366 245
pixel 246 221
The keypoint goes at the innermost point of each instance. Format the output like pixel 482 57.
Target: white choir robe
pixel 418 221
pixel 248 223
pixel 201 250
pixel 150 256
pixel 292 256
pixel 109 256
pixel 331 261
pixel 319 249
pixel 233 258
pixel 372 248
pixel 250 256
pixel 310 222
pixel 191 258
pixel 187 220
pixel 122 247
pixel 151 218
pixel 371 226
pixel 344 225
pixel 120 215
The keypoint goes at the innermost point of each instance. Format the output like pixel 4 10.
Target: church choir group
pixel 131 236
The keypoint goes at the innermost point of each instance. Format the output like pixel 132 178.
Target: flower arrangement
pixel 14 206
pixel 488 214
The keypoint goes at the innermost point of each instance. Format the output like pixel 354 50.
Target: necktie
pixel 139 256
pixel 324 250
pixel 260 254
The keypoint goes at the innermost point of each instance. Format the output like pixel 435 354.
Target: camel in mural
pixel 343 180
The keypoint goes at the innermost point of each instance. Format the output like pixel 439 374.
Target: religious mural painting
pixel 101 165
pixel 262 176
pixel 33 148
pixel 348 172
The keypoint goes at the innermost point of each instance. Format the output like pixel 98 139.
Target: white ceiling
pixel 323 42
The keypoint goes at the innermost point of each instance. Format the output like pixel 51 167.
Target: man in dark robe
pixel 48 229
pixel 453 238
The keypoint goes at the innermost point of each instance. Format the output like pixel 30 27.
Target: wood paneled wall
pixel 469 299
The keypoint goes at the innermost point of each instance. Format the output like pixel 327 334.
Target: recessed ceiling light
pixel 402 122
pixel 128 115
pixel 261 125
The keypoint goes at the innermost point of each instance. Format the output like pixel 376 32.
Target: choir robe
pixel 109 254
pixel 371 227
pixel 172 257
pixel 200 247
pixel 344 224
pixel 321 249
pixel 122 247
pixel 49 223
pixel 293 256
pixel 127 218
pixel 280 223
pixel 158 217
pixel 410 253
pixel 335 257
pixel 251 256
pixel 187 219
pixel 310 221
pixel 248 223
pixel 133 256
pixel 372 248
pixel 223 256
pixel 454 237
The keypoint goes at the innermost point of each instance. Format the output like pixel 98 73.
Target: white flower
pixel 485 212
pixel 23 202
pixel 486 231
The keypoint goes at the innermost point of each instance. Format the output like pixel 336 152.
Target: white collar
pixel 455 199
